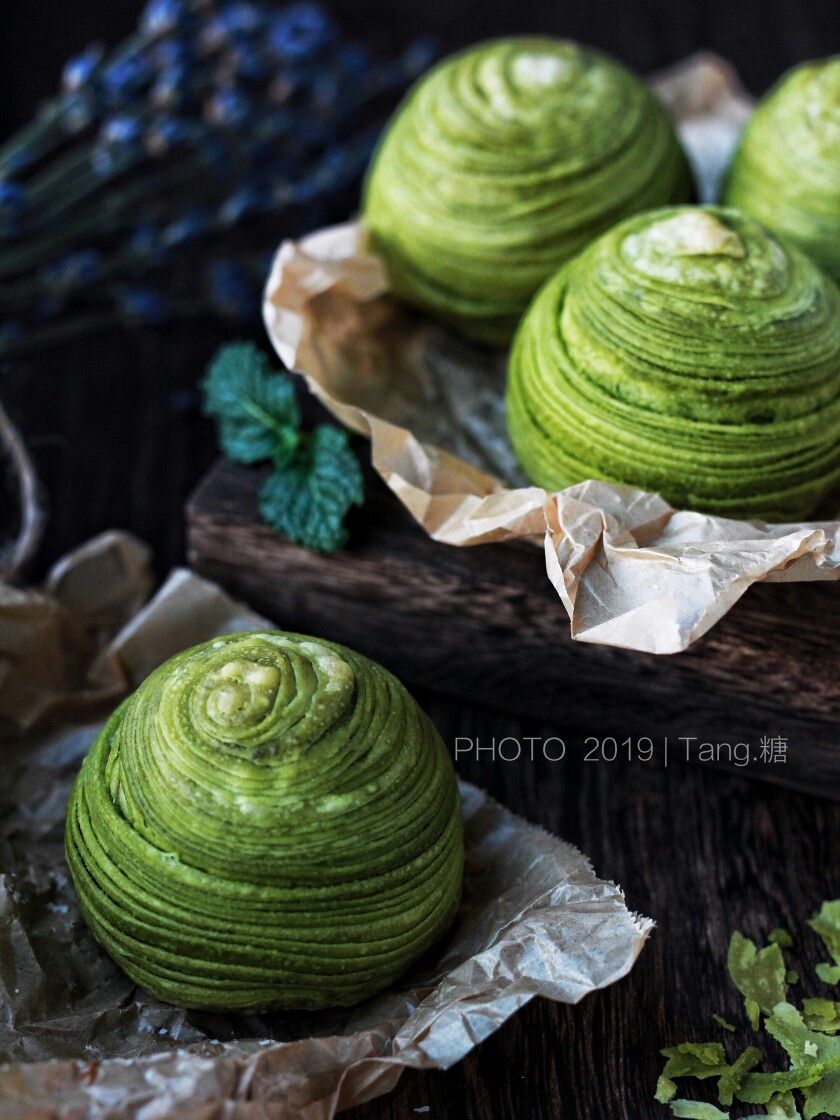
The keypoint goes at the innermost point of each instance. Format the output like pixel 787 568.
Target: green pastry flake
pixel 782 1106
pixel 721 1022
pixel 666 1089
pixel 810 1036
pixel 730 1082
pixel 689 353
pixel 827 924
pixel 694 1059
pixel 786 171
pixel 316 477
pixel 758 974
pixel 780 937
pixel 502 163
pixel 821 1015
pixel 697 1110
pixel 269 821
pixel 753 1012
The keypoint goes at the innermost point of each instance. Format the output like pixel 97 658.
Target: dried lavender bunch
pixel 142 192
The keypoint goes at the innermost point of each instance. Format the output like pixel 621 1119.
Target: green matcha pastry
pixel 786 171
pixel 688 352
pixel 502 163
pixel 270 821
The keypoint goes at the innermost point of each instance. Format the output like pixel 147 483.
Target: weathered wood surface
pixel 701 851
pixel 485 624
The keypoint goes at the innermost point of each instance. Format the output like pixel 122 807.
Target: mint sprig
pixel 316 476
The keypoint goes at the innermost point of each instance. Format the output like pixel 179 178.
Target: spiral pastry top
pixel 502 163
pixel 270 821
pixel 786 172
pixel 688 352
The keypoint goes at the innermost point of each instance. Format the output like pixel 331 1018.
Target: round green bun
pixel 687 352
pixel 504 161
pixel 786 171
pixel 269 821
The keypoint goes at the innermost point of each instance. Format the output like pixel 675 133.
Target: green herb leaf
pixel 780 937
pixel 821 1015
pixel 815 1062
pixel 697 1110
pixel 721 1022
pixel 828 973
pixel 253 404
pixel 782 1106
pixel 665 1090
pixel 694 1059
pixel 827 924
pixel 791 976
pixel 731 1080
pixel 753 1013
pixel 308 499
pixel 758 974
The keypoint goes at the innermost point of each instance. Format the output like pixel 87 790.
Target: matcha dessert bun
pixel 269 821
pixel 688 352
pixel 503 162
pixel 786 171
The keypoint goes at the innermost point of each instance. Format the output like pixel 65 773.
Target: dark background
pixel 702 852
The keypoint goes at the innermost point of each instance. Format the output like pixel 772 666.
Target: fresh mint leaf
pixel 253 404
pixel 308 499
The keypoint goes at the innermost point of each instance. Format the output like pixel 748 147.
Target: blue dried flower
pixel 173 52
pixel 166 132
pixel 120 143
pixel 125 77
pixel 233 292
pixel 73 271
pixel 14 206
pixel 241 18
pixel 228 108
pixel 303 30
pixel 245 61
pixel 80 69
pixel 162 16
pixel 171 87
pixel 143 307
pixel 80 111
pixel 189 227
pixel 249 199
pixel 420 54
pixel 146 244
pixel 354 59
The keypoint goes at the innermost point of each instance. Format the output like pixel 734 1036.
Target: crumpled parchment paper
pixel 629 569
pixel 82 1042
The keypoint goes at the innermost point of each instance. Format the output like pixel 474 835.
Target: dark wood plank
pixel 702 852
pixel 484 623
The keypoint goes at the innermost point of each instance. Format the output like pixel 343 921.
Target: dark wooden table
pixel 117 445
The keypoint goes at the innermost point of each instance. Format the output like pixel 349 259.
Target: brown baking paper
pixel 82 1042
pixel 629 569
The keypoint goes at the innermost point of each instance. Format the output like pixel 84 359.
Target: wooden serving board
pixel 485 624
